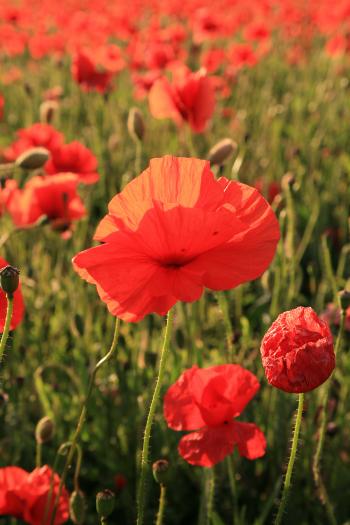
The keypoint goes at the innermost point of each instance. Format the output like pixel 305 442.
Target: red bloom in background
pixel 18 309
pixel 297 351
pixel 74 158
pixel 53 196
pixel 89 74
pixel 189 98
pixel 241 55
pixel 171 232
pixel 37 135
pixel 332 316
pixel 206 401
pixel 24 495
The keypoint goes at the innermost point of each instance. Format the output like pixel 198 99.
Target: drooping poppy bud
pixel 160 471
pixel 44 430
pixel 221 151
pixel 47 111
pixel 105 502
pixel 344 297
pixel 33 158
pixel 297 351
pixel 9 279
pixel 77 507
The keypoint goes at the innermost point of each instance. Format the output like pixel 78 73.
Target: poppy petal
pixel 249 439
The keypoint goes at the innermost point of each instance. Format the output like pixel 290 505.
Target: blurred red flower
pixel 18 308
pixel 53 196
pixel 297 351
pixel 42 135
pixel 89 74
pixel 74 158
pixel 206 401
pixel 189 98
pixel 24 495
pixel 171 232
pixel 332 316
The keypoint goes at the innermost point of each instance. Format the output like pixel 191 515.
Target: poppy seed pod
pixel 9 279
pixel 44 430
pixel 105 502
pixel 222 151
pixel 297 351
pixel 160 471
pixel 77 507
pixel 33 158
pixel 136 124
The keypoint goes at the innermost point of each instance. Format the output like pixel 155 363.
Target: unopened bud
pixel 221 151
pixel 9 279
pixel 33 158
pixel 344 297
pixel 105 502
pixel 47 111
pixel 44 430
pixel 77 507
pixel 288 180
pixel 161 471
pixel 136 125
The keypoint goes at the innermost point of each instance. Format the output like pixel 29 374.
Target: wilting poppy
pixel 25 495
pixel 171 232
pixel 297 351
pixel 189 98
pixel 206 401
pixel 18 305
pixel 74 158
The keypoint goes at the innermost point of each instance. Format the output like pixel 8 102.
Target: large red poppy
pixel 189 98
pixel 18 305
pixel 171 232
pixel 74 158
pixel 206 401
pixel 25 495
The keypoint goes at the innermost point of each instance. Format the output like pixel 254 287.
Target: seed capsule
pixel 105 503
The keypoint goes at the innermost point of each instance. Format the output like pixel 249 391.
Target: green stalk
pixel 82 416
pixel 6 331
pixel 141 496
pixel 161 508
pixel 233 487
pixel 210 495
pixel 293 451
pixel 225 309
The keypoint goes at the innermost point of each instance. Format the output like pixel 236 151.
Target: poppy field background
pixel 279 74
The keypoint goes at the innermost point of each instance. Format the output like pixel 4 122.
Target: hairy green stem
pixel 141 496
pixel 82 416
pixel 6 331
pixel 38 454
pixel 293 451
pixel 233 487
pixel 225 309
pixel 161 508
pixel 210 495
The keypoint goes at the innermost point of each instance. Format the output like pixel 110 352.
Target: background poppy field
pixel 278 72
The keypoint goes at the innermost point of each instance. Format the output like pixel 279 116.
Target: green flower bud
pixel 344 297
pixel 33 158
pixel 105 503
pixel 221 151
pixel 77 507
pixel 136 125
pixel 9 279
pixel 161 471
pixel 44 430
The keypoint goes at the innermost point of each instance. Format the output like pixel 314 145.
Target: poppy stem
pixel 320 487
pixel 141 496
pixel 138 154
pixel 6 331
pixel 38 454
pixel 210 495
pixel 82 416
pixel 293 451
pixel 290 241
pixel 161 507
pixel 233 486
pixel 225 309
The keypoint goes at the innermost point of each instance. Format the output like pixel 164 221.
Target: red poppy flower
pixel 297 351
pixel 74 158
pixel 171 232
pixel 18 307
pixel 25 495
pixel 242 55
pixel 206 401
pixel 89 74
pixel 53 196
pixel 190 98
pixel 37 135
